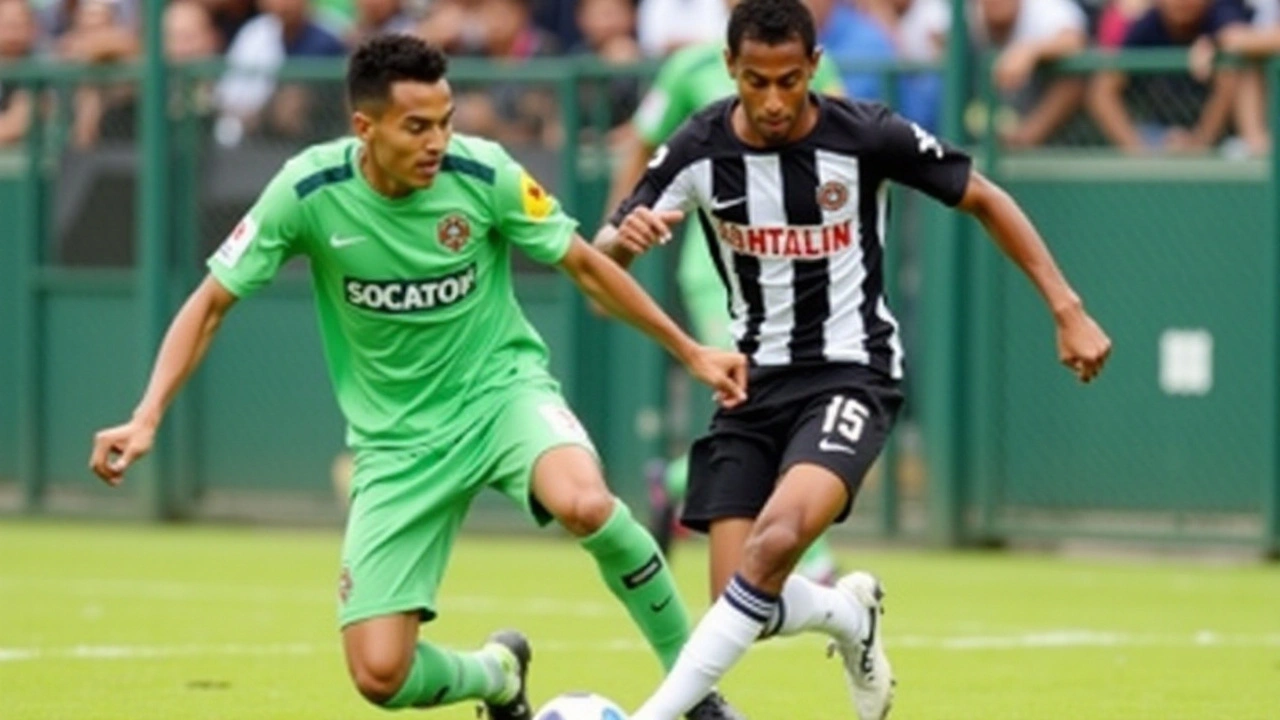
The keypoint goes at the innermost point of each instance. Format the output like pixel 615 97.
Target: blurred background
pixel 1137 133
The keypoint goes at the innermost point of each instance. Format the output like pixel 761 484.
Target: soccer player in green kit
pixel 444 384
pixel 689 80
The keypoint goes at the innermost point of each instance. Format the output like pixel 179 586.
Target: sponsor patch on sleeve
pixel 537 202
pixel 565 424
pixel 233 248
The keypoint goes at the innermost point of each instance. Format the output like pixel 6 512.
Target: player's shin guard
pixel 441 677
pixel 636 573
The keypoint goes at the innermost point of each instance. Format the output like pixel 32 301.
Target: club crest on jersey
pixel 832 195
pixel 453 231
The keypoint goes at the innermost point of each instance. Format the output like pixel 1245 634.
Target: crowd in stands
pixel 1199 108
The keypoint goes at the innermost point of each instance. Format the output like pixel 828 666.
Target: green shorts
pixel 408 504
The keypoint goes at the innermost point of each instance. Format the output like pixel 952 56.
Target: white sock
pixel 721 638
pixel 807 606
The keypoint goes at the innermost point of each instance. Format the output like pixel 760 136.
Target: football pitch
pixel 117 622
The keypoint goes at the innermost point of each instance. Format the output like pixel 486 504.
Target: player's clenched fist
pixel 1082 344
pixel 724 371
pixel 114 449
pixel 644 228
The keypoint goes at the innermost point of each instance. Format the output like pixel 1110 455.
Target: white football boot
pixel 866 667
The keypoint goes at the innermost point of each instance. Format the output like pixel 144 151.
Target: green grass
pixel 138 623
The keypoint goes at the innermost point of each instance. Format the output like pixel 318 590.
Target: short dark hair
pixel 771 22
pixel 387 59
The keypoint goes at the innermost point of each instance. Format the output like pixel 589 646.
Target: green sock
pixel 638 576
pixel 442 677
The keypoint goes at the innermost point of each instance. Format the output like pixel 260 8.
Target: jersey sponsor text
pixel 783 241
pixel 401 296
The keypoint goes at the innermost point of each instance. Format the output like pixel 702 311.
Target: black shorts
pixel 835 416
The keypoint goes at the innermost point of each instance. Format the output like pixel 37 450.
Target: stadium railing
pixel 1033 457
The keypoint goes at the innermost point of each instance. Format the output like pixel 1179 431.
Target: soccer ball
pixel 580 706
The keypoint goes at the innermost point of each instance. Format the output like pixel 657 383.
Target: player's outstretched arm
pixel 184 346
pixel 1082 345
pixel 604 281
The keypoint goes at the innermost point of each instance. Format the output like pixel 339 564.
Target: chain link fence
pixel 1159 94
pixel 561 123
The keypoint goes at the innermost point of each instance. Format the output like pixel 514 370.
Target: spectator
pixel 106 113
pixel 190 36
pixel 99 34
pixel 57 17
pixel 378 17
pixel 560 18
pixel 510 112
pixel 247 95
pixel 1171 23
pixel 608 28
pixel 1116 18
pixel 18 32
pixel 1255 43
pixel 664 26
pixel 919 30
pixel 1027 34
pixel 189 32
pixel 848 35
pixel 229 16
pixel 454 26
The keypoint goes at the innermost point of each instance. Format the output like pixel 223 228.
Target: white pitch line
pixel 149 652
pixel 1057 639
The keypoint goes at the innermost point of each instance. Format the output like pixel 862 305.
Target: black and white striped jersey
pixel 797 231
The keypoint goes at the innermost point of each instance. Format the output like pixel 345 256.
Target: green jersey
pixel 417 310
pixel 691 79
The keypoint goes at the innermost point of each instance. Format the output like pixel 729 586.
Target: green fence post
pixel 1271 493
pixel 891 459
pixel 981 405
pixel 942 296
pixel 152 240
pixel 31 434
pixel 590 357
pixel 183 470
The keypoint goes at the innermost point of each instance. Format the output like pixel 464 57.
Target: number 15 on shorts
pixel 843 424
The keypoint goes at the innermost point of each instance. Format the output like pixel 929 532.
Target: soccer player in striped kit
pixel 789 187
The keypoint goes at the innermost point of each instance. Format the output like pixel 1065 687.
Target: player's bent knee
pixel 378 676
pixel 589 511
pixel 772 548
pixel 378 684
